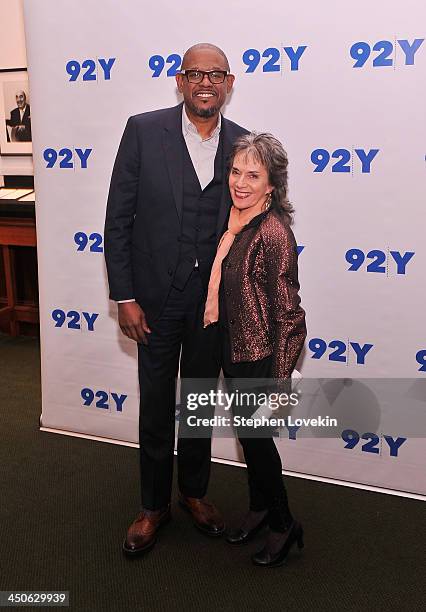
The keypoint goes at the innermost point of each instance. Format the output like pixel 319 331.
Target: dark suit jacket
pixel 15 119
pixel 261 287
pixel 144 210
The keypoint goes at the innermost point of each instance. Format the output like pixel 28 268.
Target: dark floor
pixel 66 503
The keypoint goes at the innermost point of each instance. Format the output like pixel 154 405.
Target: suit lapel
pixel 173 151
pixel 225 202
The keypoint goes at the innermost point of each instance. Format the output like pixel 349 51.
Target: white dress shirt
pixel 202 152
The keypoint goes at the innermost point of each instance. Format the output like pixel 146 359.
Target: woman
pixel 253 293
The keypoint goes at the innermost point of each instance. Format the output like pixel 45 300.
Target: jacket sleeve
pixel 120 213
pixel 284 301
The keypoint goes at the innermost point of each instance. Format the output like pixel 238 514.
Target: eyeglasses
pixel 196 76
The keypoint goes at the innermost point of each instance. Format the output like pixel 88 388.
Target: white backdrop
pixel 343 87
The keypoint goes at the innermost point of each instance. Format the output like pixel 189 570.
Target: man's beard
pixel 205 113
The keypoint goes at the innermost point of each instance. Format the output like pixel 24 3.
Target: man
pixel 167 207
pixel 20 119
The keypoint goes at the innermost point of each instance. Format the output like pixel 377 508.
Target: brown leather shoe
pixel 204 515
pixel 142 533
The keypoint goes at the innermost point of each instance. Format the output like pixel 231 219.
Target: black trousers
pixel 177 337
pixel 264 468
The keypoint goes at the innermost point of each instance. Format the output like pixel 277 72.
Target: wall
pixel 343 87
pixel 13 55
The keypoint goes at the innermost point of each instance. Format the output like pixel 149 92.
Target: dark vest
pixel 199 219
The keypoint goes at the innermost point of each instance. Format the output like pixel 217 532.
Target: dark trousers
pixel 264 468
pixel 177 337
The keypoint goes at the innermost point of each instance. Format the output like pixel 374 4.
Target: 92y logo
pixel 380 261
pixel 74 320
pixel 82 241
pixel 274 59
pixel 88 69
pixel 346 161
pixel 383 52
pixel 104 399
pixel 421 360
pixel 67 157
pixel 340 350
pixel 352 438
pixel 157 63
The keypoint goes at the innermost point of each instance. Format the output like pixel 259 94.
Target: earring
pixel 268 201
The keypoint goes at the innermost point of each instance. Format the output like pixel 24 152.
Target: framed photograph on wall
pixel 15 115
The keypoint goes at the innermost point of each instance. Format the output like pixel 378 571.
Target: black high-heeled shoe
pixel 241 535
pixel 266 558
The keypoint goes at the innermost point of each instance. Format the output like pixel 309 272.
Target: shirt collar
pixel 189 128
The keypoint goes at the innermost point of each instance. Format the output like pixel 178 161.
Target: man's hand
pixel 132 321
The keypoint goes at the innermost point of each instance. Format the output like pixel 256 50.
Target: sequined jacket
pixel 260 289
